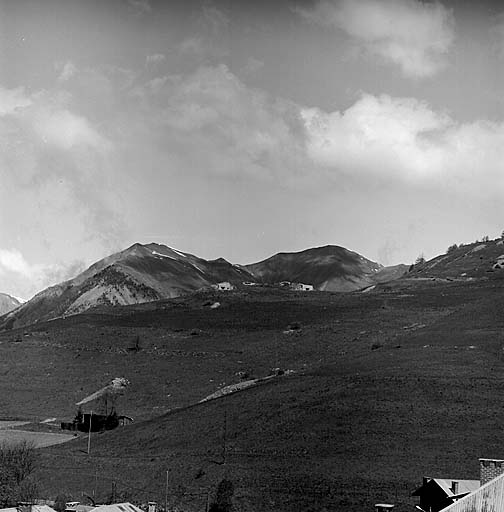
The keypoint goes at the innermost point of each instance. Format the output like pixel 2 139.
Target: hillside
pixel 328 268
pixel 146 273
pixel 478 260
pixel 141 273
pixel 386 386
pixel 8 303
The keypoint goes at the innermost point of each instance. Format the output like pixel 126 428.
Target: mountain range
pixel 8 303
pixel 145 273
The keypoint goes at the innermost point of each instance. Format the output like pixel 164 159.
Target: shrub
pixel 17 464
pixel 452 248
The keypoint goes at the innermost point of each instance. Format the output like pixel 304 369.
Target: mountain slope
pixel 145 273
pixel 141 273
pixel 328 268
pixel 467 261
pixel 8 303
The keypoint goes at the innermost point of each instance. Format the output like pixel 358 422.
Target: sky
pixel 240 129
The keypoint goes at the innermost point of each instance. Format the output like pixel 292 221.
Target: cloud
pixel 216 20
pixel 209 41
pixel 66 130
pixel 497 36
pixel 67 70
pixel 12 260
pixel 233 128
pixel 140 7
pixel 155 58
pixel 13 100
pixel 411 34
pixel 57 186
pixel 31 277
pixel 405 139
pixel 252 66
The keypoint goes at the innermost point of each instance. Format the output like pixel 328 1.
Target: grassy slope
pixel 353 425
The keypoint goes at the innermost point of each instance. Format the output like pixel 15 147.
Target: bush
pixel 17 465
pixel 452 248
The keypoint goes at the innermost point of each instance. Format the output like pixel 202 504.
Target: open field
pixel 389 385
pixel 39 439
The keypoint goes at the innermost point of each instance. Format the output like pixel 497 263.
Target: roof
pixel 117 507
pixel 34 508
pixel 488 497
pixel 76 506
pixel 464 486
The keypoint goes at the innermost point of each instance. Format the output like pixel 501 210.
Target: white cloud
pixel 239 129
pixel 497 36
pixel 405 139
pixel 19 274
pixel 12 100
pixel 214 18
pixel 67 70
pixel 66 130
pixel 155 58
pixel 11 260
pixel 252 66
pixel 140 7
pixel 412 34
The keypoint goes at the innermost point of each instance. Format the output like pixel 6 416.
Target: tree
pixel 60 502
pixel 224 497
pixel 485 238
pixel 17 464
pixel 420 259
pixel 452 248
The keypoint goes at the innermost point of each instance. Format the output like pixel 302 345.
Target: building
pixel 301 287
pixel 76 506
pixel 490 496
pixel 225 286
pixel 118 507
pixel 455 495
pixel 438 493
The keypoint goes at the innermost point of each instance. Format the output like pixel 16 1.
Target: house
pixel 77 506
pixel 301 287
pixel 225 286
pixel 451 494
pixel 118 507
pixel 488 497
pixel 438 493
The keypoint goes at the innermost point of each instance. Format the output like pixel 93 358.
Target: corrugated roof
pixel 488 497
pixel 117 507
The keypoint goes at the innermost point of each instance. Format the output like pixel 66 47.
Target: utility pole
pixel 224 439
pixel 89 433
pixel 95 483
pixel 166 490
pixel 207 507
